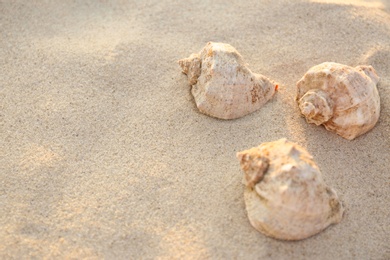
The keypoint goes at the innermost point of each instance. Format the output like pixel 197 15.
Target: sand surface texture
pixel 105 155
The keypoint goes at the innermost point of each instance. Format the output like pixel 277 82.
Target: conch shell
pixel 222 84
pixel 343 99
pixel 285 195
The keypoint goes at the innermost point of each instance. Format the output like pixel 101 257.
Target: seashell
pixel 222 84
pixel 343 99
pixel 285 195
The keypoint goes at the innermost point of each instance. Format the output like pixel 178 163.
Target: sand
pixel 105 155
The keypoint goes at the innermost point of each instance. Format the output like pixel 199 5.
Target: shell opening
pixel 336 208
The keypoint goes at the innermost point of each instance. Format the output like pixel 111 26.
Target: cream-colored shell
pixel 343 99
pixel 285 195
pixel 222 84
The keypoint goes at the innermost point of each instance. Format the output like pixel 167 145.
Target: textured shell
pixel 344 99
pixel 222 85
pixel 285 195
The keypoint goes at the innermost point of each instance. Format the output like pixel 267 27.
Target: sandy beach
pixel 104 154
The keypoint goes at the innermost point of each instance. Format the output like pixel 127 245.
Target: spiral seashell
pixel 222 85
pixel 343 99
pixel 285 195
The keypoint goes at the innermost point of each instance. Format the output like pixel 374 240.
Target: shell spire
pixel 191 66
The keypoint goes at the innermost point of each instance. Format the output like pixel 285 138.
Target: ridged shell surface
pixel 222 84
pixel 285 195
pixel 343 99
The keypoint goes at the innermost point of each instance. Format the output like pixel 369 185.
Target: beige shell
pixel 222 84
pixel 285 195
pixel 343 99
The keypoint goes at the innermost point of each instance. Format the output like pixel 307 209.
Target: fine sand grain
pixel 105 155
